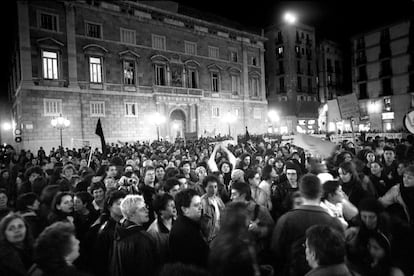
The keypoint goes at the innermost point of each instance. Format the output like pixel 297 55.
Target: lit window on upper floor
pixel 50 65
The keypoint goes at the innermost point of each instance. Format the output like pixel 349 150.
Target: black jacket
pixel 187 244
pixel 134 252
pixel 13 261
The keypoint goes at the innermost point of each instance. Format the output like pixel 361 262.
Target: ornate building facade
pixel 125 61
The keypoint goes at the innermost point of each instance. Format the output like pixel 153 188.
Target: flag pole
pixel 90 156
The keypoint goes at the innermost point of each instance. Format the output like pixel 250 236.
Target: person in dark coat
pixel 289 233
pixel 134 252
pixel 102 248
pixel 28 207
pixel 350 182
pixel 15 246
pixel 325 251
pixel 187 244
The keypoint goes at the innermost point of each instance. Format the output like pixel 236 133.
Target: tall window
pixel 128 36
pixel 233 56
pixel 160 74
pixel 52 107
pixel 215 112
pixel 190 48
pixel 282 84
pixel 363 91
pixel 158 42
pixel 279 51
pixel 97 109
pixel 299 69
pixel 50 65
pixel 254 86
pixel 95 69
pixel 215 78
pixel 48 21
pixel 192 78
pixel 310 85
pixel 129 72
pixel 299 83
pixel 213 52
pixel 131 109
pixel 93 30
pixel 235 84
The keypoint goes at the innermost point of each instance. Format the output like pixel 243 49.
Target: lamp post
pixel 158 119
pixel 60 123
pixel 229 118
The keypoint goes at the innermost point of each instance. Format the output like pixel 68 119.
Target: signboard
pixel 409 121
pixel 333 111
pixel 348 106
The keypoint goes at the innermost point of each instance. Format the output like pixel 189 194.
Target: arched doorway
pixel 177 124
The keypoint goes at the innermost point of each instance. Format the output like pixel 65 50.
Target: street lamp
pixel 158 119
pixel 7 126
pixel 290 17
pixel 229 118
pixel 60 123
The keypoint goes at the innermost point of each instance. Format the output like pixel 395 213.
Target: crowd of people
pixel 209 207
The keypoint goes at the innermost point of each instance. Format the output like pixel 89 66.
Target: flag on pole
pixel 247 137
pixel 99 132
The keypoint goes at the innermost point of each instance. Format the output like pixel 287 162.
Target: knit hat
pixel 371 205
pixel 291 166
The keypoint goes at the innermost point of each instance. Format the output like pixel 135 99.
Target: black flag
pixel 99 132
pixel 247 137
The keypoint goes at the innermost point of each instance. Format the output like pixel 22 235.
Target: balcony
pixel 178 90
pixel 51 83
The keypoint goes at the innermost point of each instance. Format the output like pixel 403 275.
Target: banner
pixel 316 146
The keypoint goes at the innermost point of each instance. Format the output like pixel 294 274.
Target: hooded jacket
pixel 134 252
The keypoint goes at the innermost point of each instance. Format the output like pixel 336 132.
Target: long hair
pixel 231 251
pixel 28 239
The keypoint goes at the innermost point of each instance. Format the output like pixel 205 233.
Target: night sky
pixel 333 19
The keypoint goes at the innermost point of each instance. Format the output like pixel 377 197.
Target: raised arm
pixel 212 160
pixel 230 156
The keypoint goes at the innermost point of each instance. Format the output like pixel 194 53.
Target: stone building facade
pixel 383 74
pixel 123 62
pixel 291 76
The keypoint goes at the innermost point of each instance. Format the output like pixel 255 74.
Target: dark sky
pixel 334 19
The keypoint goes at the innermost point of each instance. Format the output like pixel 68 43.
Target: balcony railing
pixel 178 90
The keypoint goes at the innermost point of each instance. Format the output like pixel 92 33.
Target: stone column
pixel 245 76
pixel 24 42
pixel 71 45
pixel 262 74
